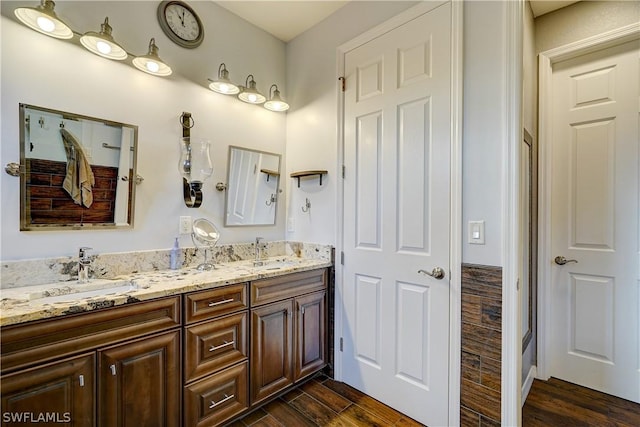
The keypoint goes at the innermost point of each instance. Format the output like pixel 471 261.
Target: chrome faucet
pixel 258 252
pixel 84 264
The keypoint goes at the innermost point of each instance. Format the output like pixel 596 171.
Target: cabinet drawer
pixel 205 305
pixel 214 345
pixel 278 288
pixel 40 341
pixel 215 399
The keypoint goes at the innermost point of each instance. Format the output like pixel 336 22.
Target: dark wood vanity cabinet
pixel 288 339
pixel 63 390
pixel 216 352
pixel 194 360
pixel 52 368
pixel 139 382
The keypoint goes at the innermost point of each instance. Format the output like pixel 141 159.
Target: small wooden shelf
pixel 270 173
pixel 302 174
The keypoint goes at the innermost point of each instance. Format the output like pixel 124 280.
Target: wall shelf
pixel 303 174
pixel 270 173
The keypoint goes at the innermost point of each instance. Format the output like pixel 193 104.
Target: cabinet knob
pixel 81 379
pixel 113 370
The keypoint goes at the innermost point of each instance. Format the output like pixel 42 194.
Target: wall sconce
pixel 223 85
pixel 275 103
pixel 195 163
pixel 249 93
pixel 151 62
pixel 102 43
pixel 44 20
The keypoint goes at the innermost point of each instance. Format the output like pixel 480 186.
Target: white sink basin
pixel 81 291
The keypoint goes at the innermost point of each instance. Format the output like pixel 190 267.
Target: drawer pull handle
pixel 81 378
pixel 226 399
pixel 218 347
pixel 113 370
pixel 213 304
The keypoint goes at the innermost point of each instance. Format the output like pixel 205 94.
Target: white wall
pixel 312 121
pixel 46 72
pixel 583 19
pixel 484 127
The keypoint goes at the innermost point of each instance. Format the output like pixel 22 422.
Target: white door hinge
pixel 341 344
pixel 344 171
pixel 342 80
pixel 341 258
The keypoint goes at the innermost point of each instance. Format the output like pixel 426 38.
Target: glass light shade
pixel 195 161
pixel 103 44
pixel 223 85
pixel 275 103
pixel 44 20
pixel 250 94
pixel 151 62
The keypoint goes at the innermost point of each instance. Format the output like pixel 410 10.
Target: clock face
pixel 180 23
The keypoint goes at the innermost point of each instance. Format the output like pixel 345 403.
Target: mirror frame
pixel 25 205
pixel 228 192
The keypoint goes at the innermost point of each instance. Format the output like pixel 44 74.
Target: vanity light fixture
pixel 43 19
pixel 249 93
pixel 275 102
pixel 223 85
pixel 102 43
pixel 151 62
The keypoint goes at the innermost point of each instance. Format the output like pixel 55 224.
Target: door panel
pixel 595 298
pixel 397 129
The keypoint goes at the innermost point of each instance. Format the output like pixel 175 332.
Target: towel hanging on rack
pixel 79 178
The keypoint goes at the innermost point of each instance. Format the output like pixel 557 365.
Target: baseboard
pixel 528 382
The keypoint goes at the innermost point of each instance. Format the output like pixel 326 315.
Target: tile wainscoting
pixel 481 345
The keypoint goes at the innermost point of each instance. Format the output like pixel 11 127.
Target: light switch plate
pixel 476 232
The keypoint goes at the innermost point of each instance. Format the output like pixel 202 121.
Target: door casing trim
pixel 455 233
pixel 546 60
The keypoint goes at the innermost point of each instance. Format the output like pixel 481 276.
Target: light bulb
pixel 252 97
pixel 45 24
pixel 153 66
pixel 224 88
pixel 103 47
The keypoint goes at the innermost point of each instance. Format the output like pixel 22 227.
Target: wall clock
pixel 180 23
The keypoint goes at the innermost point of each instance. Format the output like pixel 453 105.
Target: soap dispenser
pixel 174 256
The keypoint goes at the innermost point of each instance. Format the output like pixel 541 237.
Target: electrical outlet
pixel 185 225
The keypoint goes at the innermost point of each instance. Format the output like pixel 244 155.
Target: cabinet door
pixel 60 392
pixel 310 335
pixel 271 346
pixel 139 382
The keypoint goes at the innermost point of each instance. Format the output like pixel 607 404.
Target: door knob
pixel 436 273
pixel 560 260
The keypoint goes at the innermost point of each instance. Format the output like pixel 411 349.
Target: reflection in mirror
pixel 252 187
pixel 79 171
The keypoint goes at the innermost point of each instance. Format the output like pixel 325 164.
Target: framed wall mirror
pixel 252 187
pixel 79 172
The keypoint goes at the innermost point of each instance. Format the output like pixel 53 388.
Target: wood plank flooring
pixel 325 402
pixel 559 403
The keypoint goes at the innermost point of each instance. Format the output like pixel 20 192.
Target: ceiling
pixel 286 19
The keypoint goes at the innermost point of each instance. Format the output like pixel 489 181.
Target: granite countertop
pixel 28 303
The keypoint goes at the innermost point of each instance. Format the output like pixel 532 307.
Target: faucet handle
pixel 82 252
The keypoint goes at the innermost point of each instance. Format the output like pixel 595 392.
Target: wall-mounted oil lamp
pixel 195 163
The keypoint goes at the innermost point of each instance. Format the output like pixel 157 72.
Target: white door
pixel 595 300
pixel 397 129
